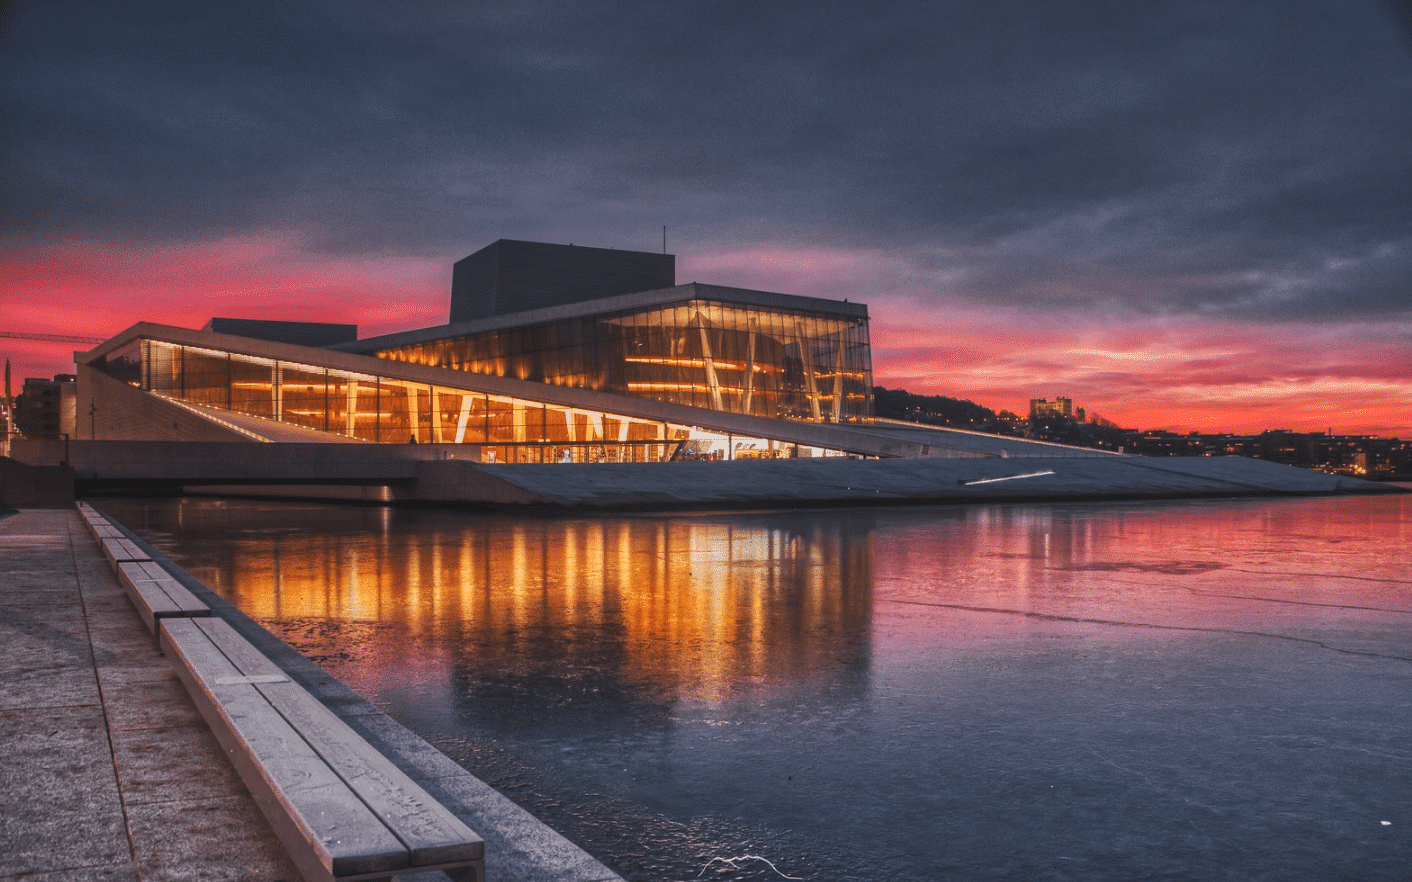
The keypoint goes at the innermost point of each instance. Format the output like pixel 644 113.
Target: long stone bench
pixel 154 591
pixel 115 544
pixel 157 594
pixel 97 524
pixel 118 549
pixel 342 809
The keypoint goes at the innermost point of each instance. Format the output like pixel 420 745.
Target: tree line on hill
pixel 936 410
pixel 1358 455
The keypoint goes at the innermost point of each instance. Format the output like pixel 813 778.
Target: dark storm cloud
pixel 1244 158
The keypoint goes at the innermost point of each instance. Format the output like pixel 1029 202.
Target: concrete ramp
pixel 786 483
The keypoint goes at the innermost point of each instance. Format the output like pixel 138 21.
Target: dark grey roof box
pixel 298 333
pixel 510 276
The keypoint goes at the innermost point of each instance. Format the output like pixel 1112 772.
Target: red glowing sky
pixel 1182 374
pixel 1182 216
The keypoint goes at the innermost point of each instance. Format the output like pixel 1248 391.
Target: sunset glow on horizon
pixel 1179 375
pixel 1182 216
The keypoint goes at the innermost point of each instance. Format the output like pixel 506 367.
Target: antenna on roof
pixel 664 238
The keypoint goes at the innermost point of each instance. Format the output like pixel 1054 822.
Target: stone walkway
pixel 107 771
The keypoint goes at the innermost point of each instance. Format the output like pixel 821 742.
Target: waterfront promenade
pixel 107 771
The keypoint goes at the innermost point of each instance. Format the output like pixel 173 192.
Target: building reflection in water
pixel 652 610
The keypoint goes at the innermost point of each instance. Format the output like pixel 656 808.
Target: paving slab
pixel 144 761
pixel 57 685
pixel 35 586
pixel 138 698
pixel 47 660
pixel 62 808
pixel 206 839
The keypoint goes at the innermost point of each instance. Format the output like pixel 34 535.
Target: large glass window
pixel 502 428
pixel 701 353
pixel 304 397
pixel 252 386
pixel 125 364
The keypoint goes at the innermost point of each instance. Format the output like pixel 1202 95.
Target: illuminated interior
pixel 739 358
pixel 382 409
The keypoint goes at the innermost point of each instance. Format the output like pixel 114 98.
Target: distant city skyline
pixel 1185 216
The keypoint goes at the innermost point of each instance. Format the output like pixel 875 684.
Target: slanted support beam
pixel 712 381
pixel 745 398
pixel 838 381
pixel 436 433
pixel 351 410
pixel 276 393
pixel 463 419
pixel 810 380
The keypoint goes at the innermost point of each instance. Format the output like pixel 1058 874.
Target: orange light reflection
pixel 697 609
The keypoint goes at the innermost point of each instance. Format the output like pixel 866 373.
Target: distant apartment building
pixel 1059 407
pixel 45 408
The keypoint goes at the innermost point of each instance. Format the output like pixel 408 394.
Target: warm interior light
pixel 681 387
pixel 683 362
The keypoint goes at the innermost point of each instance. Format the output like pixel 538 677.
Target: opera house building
pixel 570 377
pixel 557 353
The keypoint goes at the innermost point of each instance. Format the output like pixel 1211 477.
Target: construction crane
pixel 51 338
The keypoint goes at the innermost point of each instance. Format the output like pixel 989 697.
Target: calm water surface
pixel 1191 690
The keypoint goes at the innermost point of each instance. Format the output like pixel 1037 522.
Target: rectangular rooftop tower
pixel 510 276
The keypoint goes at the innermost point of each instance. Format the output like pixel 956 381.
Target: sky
pixel 1183 215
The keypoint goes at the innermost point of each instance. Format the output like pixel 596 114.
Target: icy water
pixel 1178 691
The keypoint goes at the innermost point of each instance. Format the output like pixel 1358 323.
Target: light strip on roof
pixel 1005 478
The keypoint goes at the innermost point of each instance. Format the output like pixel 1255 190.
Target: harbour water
pixel 1184 690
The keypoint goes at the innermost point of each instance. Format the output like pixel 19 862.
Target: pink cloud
pixel 89 289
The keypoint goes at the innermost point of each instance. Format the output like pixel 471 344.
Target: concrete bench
pixel 95 521
pixel 157 595
pixel 118 549
pixel 105 531
pixel 155 592
pixel 342 810
pixel 99 526
pixel 116 546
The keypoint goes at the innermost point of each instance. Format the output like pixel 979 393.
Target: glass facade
pixel 384 409
pixel 769 362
